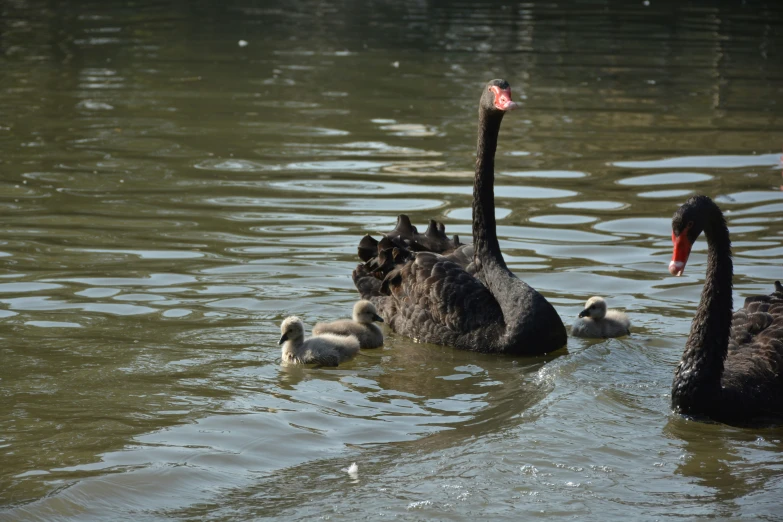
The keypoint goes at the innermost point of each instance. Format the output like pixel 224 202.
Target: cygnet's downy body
pixel 596 322
pixel 324 350
pixel 362 327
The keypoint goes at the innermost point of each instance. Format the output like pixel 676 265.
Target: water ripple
pixel 390 188
pixel 712 162
pixel 670 178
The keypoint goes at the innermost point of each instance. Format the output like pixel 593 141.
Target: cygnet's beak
pixel 376 317
pixel 283 339
pixel 584 313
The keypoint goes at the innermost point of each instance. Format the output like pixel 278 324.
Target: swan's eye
pixel 690 224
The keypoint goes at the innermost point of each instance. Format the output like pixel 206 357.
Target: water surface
pixel 168 196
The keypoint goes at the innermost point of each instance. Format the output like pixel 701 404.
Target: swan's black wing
pixel 761 318
pixel 433 299
pixel 423 294
pixel 463 256
pixel 754 365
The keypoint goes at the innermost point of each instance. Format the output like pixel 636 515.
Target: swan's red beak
pixel 682 249
pixel 503 100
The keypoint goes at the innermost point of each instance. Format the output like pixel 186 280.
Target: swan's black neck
pixel 485 239
pixel 697 380
pixel 511 293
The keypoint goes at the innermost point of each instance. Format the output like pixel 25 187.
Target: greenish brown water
pixel 167 197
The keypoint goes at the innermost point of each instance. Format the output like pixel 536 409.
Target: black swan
pixel 361 327
pixel 324 350
pixel 596 322
pixel 732 366
pixel 430 288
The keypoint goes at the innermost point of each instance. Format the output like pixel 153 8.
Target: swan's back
pixel 406 264
pixel 461 303
pixel 759 321
pixel 753 371
pixel 436 296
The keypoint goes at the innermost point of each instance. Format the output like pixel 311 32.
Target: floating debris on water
pixel 352 470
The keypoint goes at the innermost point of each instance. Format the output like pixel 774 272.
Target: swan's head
pixel 365 312
pixel 292 329
pixel 688 223
pixel 497 97
pixel 595 308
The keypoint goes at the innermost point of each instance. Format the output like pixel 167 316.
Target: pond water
pixel 169 194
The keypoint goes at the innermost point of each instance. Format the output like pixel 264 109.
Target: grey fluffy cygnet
pixel 595 321
pixel 325 350
pixel 364 313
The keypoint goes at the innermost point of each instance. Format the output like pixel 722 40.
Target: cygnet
pixel 325 350
pixel 595 321
pixel 364 313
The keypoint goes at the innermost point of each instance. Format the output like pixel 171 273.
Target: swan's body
pixel 361 327
pixel 595 321
pixel 432 289
pixel 732 366
pixel 325 350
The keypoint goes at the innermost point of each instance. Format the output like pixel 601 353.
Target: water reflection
pixel 729 474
